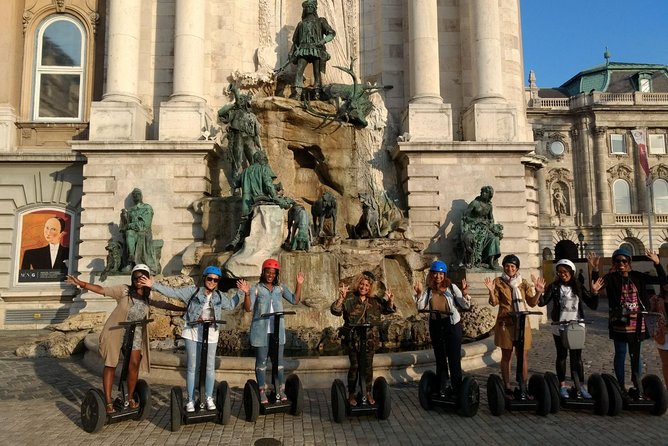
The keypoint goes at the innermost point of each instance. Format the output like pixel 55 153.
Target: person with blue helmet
pixel 445 329
pixel 202 303
pixel 626 291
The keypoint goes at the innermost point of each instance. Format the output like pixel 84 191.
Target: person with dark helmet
pixel 202 303
pixel 626 291
pixel 445 330
pixel 512 293
pixel 267 297
pixel 566 299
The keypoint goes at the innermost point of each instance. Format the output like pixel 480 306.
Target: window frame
pixel 616 199
pixel 655 136
pixel 612 143
pixel 664 198
pixel 39 70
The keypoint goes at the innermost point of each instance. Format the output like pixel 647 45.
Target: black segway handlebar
pixel 138 322
pixel 277 313
pixel 578 321
pixel 445 313
pixel 205 322
pixel 526 313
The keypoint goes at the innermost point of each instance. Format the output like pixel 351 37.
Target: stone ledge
pixel 314 372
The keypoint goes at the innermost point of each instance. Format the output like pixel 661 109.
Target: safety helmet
pixel 271 263
pixel 212 269
pixel 142 267
pixel 511 258
pixel 621 252
pixel 567 263
pixel 438 266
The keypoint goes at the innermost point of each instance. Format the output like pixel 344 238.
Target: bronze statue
pixel 308 47
pixel 136 226
pixel 480 236
pixel 243 131
pixel 114 259
pixel 299 229
pixel 324 207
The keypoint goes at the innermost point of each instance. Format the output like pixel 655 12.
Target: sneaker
pixel 210 405
pixel 190 406
pixel 583 392
pixel 563 392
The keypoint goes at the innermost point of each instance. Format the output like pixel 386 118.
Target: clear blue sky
pixel 564 37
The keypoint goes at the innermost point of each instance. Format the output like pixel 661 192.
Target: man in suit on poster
pixel 52 256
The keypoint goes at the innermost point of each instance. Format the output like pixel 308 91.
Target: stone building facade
pixel 101 96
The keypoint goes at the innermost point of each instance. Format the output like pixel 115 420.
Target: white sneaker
pixel 563 392
pixel 190 406
pixel 210 405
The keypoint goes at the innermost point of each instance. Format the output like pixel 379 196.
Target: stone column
pixel 426 117
pixel 184 115
pixel 120 115
pixel 602 186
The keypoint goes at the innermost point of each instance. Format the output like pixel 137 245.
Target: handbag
pixel 656 326
pixel 573 336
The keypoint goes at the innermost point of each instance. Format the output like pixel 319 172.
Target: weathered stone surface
pixel 477 321
pixel 161 327
pixel 80 321
pixel 56 345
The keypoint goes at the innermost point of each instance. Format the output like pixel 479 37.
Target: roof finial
pixel 607 56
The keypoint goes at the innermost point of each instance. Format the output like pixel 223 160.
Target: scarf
pixel 518 301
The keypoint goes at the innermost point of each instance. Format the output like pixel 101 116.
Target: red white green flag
pixel 640 139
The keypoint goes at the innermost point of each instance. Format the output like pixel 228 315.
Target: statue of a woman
pixel 480 236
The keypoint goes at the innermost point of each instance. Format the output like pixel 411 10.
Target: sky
pixel 563 37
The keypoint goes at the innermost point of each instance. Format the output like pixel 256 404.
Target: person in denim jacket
pixel 267 297
pixel 203 303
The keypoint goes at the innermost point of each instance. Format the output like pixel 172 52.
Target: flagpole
pixel 650 208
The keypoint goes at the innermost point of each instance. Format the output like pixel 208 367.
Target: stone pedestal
pixel 7 128
pixel 490 122
pixel 118 121
pixel 428 122
pixel 183 121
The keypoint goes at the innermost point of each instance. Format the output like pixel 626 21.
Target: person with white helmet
pixel 203 303
pixel 267 297
pixel 445 330
pixel 565 297
pixel 132 303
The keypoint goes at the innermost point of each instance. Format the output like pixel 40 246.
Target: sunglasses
pixel 621 261
pixel 212 279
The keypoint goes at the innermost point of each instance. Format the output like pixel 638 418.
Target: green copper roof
pixel 598 77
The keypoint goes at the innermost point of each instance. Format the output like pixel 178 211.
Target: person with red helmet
pixel 267 297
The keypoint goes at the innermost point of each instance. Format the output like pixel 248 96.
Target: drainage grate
pixel 36 316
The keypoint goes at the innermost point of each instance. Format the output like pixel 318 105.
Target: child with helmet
pixel 445 330
pixel 267 297
pixel 566 296
pixel 202 303
pixel 132 303
pixel 512 293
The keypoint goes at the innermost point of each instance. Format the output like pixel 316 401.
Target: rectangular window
pixel 617 145
pixel 657 144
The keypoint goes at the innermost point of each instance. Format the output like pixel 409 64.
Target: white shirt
pixel 568 310
pixel 196 333
pixel 53 251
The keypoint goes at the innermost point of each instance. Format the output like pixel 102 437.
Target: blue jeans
pixel 261 355
pixel 620 360
pixel 193 357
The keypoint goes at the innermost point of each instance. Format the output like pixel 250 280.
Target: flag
pixel 639 138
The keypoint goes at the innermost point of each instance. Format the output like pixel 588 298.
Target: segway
pixel 573 337
pixel 650 395
pixel 381 390
pixel 536 397
pixel 293 386
pixel 430 393
pixel 93 411
pixel 221 414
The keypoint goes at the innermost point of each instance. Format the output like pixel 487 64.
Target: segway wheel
pixel 251 400
pixel 223 403
pixel 599 393
pixel 93 412
pixel 615 403
pixel 381 393
pixel 427 386
pixel 295 393
pixel 338 401
pixel 495 395
pixel 654 390
pixel 143 395
pixel 176 408
pixel 553 387
pixel 469 397
pixel 541 394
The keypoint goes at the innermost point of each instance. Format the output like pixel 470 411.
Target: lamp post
pixel 581 245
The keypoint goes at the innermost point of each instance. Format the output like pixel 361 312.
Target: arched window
pixel 622 194
pixel 59 70
pixel 660 197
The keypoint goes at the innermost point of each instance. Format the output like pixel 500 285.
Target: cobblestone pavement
pixel 40 402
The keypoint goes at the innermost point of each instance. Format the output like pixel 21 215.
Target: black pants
pixel 576 361
pixel 447 342
pixel 354 355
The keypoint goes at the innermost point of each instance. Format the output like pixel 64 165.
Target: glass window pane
pixel 59 96
pixel 657 144
pixel 622 197
pixel 661 197
pixel 61 45
pixel 617 144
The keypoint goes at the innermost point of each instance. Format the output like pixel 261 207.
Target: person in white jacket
pixel 445 299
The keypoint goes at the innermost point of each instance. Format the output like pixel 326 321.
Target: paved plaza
pixel 40 401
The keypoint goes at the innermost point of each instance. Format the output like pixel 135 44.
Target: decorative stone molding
pixel 659 171
pixel 561 145
pixel 60 5
pixel 620 172
pixel 600 131
pixel 559 175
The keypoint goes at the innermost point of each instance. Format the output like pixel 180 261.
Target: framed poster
pixel 44 240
